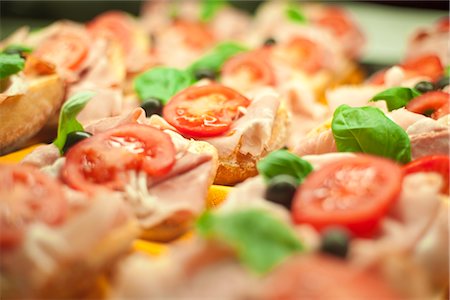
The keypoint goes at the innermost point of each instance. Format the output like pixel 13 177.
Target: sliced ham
pixel 404 118
pixel 317 143
pixel 429 137
pixel 318 161
pixel 105 64
pixel 355 96
pixel 305 110
pixel 183 191
pixel 405 232
pixel 51 258
pixel 106 102
pixel 42 156
pixel 352 40
pixel 136 116
pixel 429 41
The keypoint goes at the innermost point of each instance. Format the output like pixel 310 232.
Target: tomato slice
pixel 335 20
pixel 67 51
pixel 195 34
pixel 427 65
pixel 441 111
pixel 303 54
pixel 113 25
pixel 104 160
pixel 251 66
pixel 443 25
pixel 204 111
pixel 435 163
pixel 354 193
pixel 378 78
pixel 429 102
pixel 323 277
pixel 27 196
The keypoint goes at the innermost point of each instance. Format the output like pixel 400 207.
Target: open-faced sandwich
pixel 293 231
pixel 142 165
pixel 55 242
pixel 31 92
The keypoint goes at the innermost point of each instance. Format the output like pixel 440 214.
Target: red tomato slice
pixel 377 78
pixel 354 193
pixel 427 65
pixel 444 24
pixel 103 161
pixel 196 35
pixel 441 111
pixel 114 25
pixel 435 163
pixel 323 277
pixel 204 111
pixel 65 50
pixel 253 65
pixel 26 196
pixel 335 20
pixel 430 101
pixel 303 54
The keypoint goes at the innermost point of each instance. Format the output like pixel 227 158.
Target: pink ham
pixel 430 40
pixel 136 116
pixel 404 118
pixel 405 232
pixel 320 143
pixel 352 39
pixel 181 192
pixel 429 137
pixel 42 156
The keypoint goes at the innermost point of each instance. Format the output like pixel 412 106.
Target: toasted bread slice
pixel 23 115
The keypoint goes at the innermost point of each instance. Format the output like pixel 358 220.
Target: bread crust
pixel 22 116
pixel 237 167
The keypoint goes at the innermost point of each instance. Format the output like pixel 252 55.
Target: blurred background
pixel 387 24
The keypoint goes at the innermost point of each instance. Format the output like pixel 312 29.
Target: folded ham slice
pixel 411 237
pixel 429 137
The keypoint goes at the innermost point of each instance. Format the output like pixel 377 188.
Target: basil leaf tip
pixel 214 60
pixel 283 162
pixel 295 14
pixel 67 117
pixel 10 64
pixel 447 71
pixel 17 49
pixel 396 97
pixel 369 130
pixel 161 83
pixel 260 241
pixel 209 9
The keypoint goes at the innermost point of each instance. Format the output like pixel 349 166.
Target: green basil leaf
pixel 67 117
pixel 396 97
pixel 209 9
pixel 161 83
pixel 174 8
pixel 368 130
pixel 214 60
pixel 10 64
pixel 283 162
pixel 295 14
pixel 16 49
pixel 261 241
pixel 447 71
